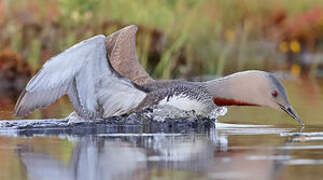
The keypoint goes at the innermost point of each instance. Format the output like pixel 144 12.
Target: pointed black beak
pixel 290 111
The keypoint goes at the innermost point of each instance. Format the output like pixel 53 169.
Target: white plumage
pixel 185 103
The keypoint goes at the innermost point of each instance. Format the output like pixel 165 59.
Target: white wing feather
pixel 84 74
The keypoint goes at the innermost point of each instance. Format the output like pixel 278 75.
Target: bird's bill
pixel 291 112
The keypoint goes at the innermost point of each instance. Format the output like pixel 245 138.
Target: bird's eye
pixel 274 93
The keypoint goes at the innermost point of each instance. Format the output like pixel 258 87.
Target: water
pixel 221 152
pixel 246 143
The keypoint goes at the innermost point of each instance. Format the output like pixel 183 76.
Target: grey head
pixel 254 87
pixel 279 96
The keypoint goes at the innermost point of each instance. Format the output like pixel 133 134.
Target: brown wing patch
pixel 121 48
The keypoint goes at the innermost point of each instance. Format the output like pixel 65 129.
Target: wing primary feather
pixel 18 106
pixel 57 74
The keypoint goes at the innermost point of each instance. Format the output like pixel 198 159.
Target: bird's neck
pixel 231 91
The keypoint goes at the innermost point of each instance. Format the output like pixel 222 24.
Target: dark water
pixel 279 151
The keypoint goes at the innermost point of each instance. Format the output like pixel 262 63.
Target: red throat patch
pixel 230 102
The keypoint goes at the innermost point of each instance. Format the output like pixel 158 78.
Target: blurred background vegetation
pixel 179 38
pixel 176 39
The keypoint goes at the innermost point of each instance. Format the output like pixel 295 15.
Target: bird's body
pixel 187 96
pixel 103 78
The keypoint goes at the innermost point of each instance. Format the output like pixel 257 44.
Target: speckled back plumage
pixel 159 90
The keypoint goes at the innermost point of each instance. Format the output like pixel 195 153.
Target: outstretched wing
pixel 85 75
pixel 121 47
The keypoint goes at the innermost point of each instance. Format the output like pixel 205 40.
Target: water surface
pixel 277 149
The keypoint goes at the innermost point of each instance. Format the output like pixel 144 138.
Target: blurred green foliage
pixel 179 38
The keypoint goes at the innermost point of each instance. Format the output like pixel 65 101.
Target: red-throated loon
pixel 102 78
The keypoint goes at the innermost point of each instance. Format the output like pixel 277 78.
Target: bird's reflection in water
pixel 206 155
pixel 92 158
